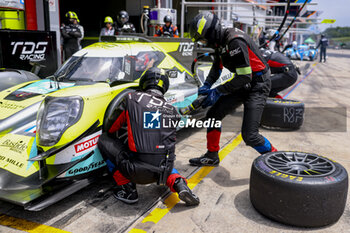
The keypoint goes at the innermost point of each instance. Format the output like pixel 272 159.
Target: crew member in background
pixel 324 44
pixel 250 84
pixel 81 28
pixel 168 29
pixel 150 154
pixel 108 30
pixel 70 33
pixel 283 72
pixel 262 38
pixel 123 25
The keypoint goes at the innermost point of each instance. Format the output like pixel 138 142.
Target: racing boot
pixel 126 193
pixel 266 148
pixel 208 159
pixel 185 193
pixel 273 149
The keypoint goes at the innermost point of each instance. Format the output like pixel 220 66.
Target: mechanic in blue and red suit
pixel 283 72
pixel 150 154
pixel 249 85
pixel 167 29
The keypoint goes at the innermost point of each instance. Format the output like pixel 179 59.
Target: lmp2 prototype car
pixel 49 128
pixel 303 52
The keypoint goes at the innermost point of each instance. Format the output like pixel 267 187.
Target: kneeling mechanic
pixel 150 154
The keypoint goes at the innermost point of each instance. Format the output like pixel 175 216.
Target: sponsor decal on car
pixel 86 144
pixel 17 146
pixel 14 153
pixel 44 87
pixel 7 105
pixel 186 48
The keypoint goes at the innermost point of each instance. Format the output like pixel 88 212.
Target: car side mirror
pixel 172 73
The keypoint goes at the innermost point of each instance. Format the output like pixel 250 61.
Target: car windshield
pixel 98 69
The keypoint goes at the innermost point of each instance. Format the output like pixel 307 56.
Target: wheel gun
pixel 195 105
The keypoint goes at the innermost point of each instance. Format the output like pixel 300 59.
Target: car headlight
pixel 55 116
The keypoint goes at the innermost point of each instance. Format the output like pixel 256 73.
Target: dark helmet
pixel 154 78
pixel 265 53
pixel 323 35
pixel 168 19
pixel 123 17
pixel 205 26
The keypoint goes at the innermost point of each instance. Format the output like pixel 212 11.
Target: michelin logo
pixel 151 120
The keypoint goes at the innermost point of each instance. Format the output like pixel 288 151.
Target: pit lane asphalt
pixel 225 205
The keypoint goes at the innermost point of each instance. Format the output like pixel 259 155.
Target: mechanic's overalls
pixel 170 31
pixel 250 86
pixel 71 34
pixel 150 154
pixel 125 28
pixel 283 72
pixel 323 43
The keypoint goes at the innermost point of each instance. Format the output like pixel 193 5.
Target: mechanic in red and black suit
pixel 250 84
pixel 167 30
pixel 150 154
pixel 283 72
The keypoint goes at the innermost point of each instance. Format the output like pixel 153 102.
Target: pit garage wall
pixel 54 13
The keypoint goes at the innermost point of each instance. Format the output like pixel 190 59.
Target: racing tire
pixel 299 189
pixel 282 114
pixel 110 116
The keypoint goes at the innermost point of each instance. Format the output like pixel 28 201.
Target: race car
pixel 303 52
pixel 50 127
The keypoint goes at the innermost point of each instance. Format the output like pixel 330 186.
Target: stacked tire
pixel 299 189
pixel 282 114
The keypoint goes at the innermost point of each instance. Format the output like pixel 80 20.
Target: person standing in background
pixel 123 25
pixel 81 28
pixel 70 33
pixel 108 30
pixel 324 44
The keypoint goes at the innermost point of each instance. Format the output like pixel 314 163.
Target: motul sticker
pixel 86 145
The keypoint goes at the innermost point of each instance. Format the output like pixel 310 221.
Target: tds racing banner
pixel 19 48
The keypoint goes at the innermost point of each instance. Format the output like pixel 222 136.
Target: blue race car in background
pixel 303 52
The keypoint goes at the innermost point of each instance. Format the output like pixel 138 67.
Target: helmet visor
pixel 123 19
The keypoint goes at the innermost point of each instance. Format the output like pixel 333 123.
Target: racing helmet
pixel 154 78
pixel 70 15
pixel 123 17
pixel 108 19
pixel 76 17
pixel 168 19
pixel 205 26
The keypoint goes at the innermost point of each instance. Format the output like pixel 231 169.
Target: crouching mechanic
pixel 150 154
pixel 283 72
pixel 249 85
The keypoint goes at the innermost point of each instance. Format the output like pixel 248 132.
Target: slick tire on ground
pixel 298 189
pixel 282 114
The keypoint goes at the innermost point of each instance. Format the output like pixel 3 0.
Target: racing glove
pixel 203 90
pixel 212 96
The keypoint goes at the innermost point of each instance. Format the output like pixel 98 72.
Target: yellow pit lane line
pixel 24 225
pixel 158 213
